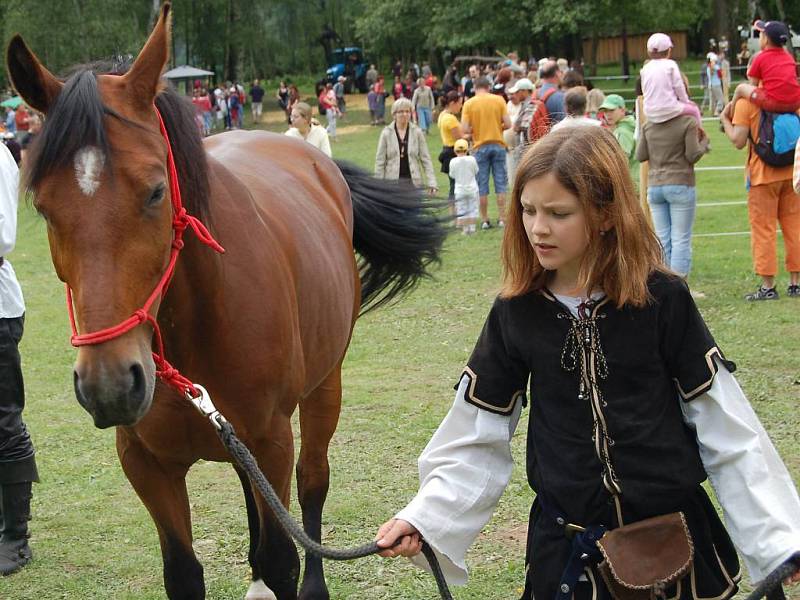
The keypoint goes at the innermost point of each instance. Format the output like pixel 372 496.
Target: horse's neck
pixel 193 302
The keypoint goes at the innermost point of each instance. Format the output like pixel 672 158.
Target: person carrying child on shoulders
pixel 464 170
pixel 665 95
pixel 773 83
pixel 633 406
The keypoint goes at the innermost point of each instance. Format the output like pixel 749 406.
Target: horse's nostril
pixel 138 385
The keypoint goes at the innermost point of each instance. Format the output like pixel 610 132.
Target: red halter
pixel 180 221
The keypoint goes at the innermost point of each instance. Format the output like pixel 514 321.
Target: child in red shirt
pixel 772 74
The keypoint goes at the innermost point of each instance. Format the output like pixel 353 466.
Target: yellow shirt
pixel 485 113
pixel 447 122
pixel 747 114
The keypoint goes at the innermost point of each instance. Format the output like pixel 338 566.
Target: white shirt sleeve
pixel 758 498
pixel 463 471
pixel 9 180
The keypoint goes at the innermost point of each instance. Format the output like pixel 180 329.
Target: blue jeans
pixel 673 207
pixel 424 118
pixel 491 158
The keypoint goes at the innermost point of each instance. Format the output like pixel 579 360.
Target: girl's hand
pixel 432 191
pixel 794 579
pixel 397 529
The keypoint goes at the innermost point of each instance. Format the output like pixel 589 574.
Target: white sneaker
pixel 486 225
pixel 501 223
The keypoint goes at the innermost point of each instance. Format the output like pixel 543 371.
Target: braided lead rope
pixel 773 581
pixel 248 462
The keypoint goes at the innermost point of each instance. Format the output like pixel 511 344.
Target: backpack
pixel 540 120
pixel 777 137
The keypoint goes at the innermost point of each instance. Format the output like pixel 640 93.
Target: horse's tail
pixel 396 233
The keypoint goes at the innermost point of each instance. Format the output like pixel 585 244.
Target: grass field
pixel 93 539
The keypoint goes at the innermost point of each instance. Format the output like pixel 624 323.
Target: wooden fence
pixel 609 49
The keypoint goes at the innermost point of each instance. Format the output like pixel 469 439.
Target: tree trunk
pixel 626 67
pixel 781 10
pixel 154 10
pixel 594 48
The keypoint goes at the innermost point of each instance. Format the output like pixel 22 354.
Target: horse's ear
pixel 144 77
pixel 37 86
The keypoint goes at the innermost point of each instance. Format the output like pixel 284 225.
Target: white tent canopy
pixel 186 72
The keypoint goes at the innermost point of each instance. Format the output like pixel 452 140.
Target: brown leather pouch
pixel 643 559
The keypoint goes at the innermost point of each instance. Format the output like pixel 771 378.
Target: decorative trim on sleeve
pixel 713 368
pixel 469 396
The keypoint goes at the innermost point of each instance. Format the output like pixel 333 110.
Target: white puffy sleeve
pixel 758 498
pixel 463 471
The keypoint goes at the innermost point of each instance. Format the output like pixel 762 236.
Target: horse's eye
pixel 156 196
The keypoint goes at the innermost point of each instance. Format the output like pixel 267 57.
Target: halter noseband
pixel 180 221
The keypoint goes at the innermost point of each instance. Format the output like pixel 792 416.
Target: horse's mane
pixel 76 120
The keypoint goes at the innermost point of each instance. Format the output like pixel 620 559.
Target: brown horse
pixel 264 327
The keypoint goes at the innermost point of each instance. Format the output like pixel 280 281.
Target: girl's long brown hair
pixel 589 163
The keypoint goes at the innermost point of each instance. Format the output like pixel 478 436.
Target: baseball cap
pixel 342 78
pixel 612 102
pixel 776 31
pixel 659 42
pixel 461 146
pixel 521 84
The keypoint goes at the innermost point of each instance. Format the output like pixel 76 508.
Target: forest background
pixel 244 39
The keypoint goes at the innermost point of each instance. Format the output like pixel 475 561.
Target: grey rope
pixel 246 460
pixel 772 582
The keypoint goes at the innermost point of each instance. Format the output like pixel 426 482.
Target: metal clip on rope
pixel 205 405
pixel 247 461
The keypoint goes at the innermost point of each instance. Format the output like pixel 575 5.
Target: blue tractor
pixel 348 62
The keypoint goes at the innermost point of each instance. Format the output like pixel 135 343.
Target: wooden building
pixel 609 49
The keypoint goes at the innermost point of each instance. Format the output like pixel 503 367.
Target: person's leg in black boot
pixel 16 505
pixel 17 461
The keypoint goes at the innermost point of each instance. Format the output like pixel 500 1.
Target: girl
pixel 307 128
pixel 633 404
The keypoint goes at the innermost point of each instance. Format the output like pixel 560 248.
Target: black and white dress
pixel 631 409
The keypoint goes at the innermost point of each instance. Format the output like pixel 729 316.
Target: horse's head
pixel 100 180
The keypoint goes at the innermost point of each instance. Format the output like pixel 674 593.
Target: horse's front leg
pixel 276 559
pixel 162 488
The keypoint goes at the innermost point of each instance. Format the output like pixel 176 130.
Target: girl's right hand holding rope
pixel 400 538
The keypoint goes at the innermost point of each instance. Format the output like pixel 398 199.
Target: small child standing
pixel 463 170
pixel 773 83
pixel 664 92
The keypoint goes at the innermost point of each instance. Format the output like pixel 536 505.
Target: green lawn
pixel 93 539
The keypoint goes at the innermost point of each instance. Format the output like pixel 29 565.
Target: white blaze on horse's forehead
pixel 89 162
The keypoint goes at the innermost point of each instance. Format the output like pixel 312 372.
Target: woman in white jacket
pixel 308 129
pixel 403 150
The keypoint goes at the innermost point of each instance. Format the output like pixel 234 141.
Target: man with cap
pixel 665 95
pixel 338 90
pixel 770 197
pixel 623 126
pixel 517 135
pixel 773 73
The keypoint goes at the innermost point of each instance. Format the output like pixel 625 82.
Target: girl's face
pixel 298 120
pixel 556 225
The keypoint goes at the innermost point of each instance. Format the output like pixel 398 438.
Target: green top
pixel 624 133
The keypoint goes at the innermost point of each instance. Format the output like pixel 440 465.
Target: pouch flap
pixel 656 551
